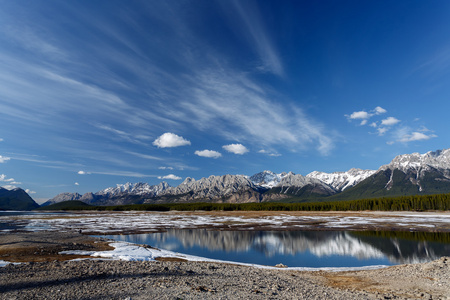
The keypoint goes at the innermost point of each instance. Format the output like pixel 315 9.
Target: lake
pixel 315 249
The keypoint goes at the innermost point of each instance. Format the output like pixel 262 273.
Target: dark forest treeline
pixel 404 203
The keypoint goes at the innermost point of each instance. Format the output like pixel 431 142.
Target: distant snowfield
pixel 103 223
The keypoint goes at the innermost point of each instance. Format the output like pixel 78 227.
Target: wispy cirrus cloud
pixel 236 107
pixel 208 81
pixel 252 27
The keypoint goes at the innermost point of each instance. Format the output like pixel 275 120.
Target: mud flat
pixel 46 274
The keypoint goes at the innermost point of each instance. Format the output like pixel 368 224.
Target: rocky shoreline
pixel 49 275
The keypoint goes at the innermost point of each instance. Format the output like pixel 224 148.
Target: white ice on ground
pixel 102 223
pixel 131 252
pixel 4 263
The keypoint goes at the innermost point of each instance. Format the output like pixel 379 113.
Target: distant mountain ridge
pixel 406 174
pixel 16 199
pixel 342 180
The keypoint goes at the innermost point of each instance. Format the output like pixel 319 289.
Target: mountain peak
pixel 266 179
pixel 342 180
pixel 439 159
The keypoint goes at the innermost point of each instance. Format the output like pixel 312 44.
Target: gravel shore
pixel 50 277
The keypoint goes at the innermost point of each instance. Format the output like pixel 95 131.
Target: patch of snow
pixel 130 252
pixel 342 180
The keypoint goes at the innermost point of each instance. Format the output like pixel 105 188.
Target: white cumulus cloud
pixel 76 183
pixel 208 153
pixel 359 115
pixel 390 121
pixel 4 178
pixel 382 131
pixel 4 159
pixel 169 140
pixel 11 183
pixel 83 172
pixel 170 176
pixel 364 116
pixel 416 136
pixel 28 191
pixel 379 110
pixel 236 148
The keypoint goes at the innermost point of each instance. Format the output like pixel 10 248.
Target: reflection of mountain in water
pixel 319 243
pixel 398 247
pixel 408 247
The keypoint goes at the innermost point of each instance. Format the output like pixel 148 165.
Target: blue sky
pixel 97 93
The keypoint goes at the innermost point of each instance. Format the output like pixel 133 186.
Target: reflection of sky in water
pixel 293 248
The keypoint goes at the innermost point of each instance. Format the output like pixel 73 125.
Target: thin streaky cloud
pixel 124 135
pixel 145 156
pixel 251 22
pixel 124 173
pixel 45 162
pixel 220 101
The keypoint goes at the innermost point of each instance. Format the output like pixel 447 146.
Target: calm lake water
pixel 301 248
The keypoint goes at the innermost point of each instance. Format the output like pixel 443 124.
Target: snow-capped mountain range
pixel 342 180
pixel 405 174
pixel 439 159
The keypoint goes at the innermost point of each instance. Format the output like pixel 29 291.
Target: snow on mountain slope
pixel 267 179
pixel 293 181
pixel 139 188
pixel 212 186
pixel 439 159
pixel 342 180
